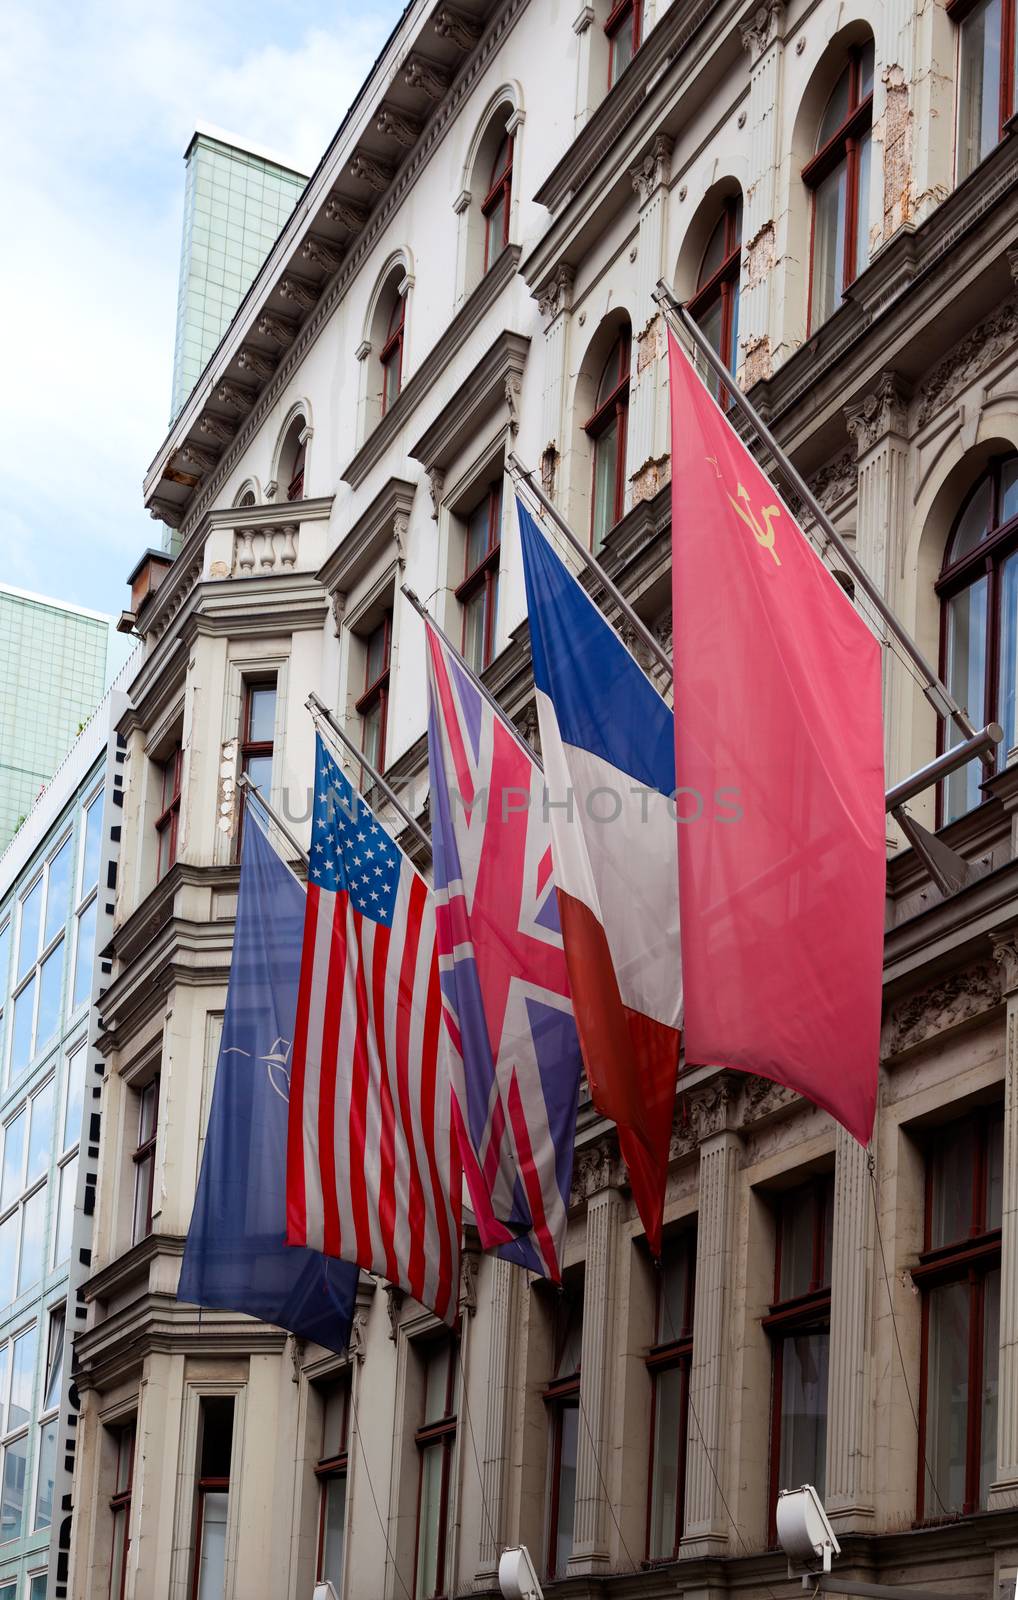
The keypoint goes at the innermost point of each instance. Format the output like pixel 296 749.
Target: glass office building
pixel 56 909
pixel 55 661
pixel 236 200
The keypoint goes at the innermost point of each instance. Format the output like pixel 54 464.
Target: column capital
pixel 762 27
pixel 877 414
pixel 1005 954
pixel 653 170
pixel 556 293
pixel 596 1169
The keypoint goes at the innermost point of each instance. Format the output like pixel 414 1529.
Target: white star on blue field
pixel 349 848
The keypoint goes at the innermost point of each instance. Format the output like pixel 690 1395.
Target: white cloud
pixel 99 102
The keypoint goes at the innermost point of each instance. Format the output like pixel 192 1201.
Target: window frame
pixel 484 574
pixel 249 748
pixel 376 690
pixel 49 1415
pixel 440 1434
pixel 168 820
pixel 499 194
pixel 209 1483
pixel 673 1352
pixel 958 12
pixel 29 1187
pixel 45 949
pixel 391 353
pixel 806 1312
pixel 843 145
pixel 145 1153
pixel 969 1260
pixel 613 408
pixel 120 1504
pixel 295 487
pixel 23 1430
pixel 623 10
pixel 722 285
pixel 560 1394
pixel 329 1469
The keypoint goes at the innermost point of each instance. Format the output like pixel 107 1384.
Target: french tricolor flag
pixel 608 743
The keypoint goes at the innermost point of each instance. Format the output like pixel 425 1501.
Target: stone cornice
pixel 308 222
pixel 374 529
pixel 421 382
pixel 483 390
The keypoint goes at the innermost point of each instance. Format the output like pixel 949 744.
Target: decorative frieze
pixel 449 23
pixel 835 480
pixel 375 173
pixel 272 326
pixel 299 290
pixel 350 213
pixel 884 411
pixel 398 125
pixel 236 394
pixel 992 339
pixel 932 1011
pixel 256 361
pixel 595 1168
pixel 322 252
pixel 432 79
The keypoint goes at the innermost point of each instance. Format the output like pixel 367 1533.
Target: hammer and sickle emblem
pixel 763 532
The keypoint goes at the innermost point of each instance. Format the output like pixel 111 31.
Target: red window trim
pixel 986 560
pixel 957 11
pixel 392 352
pixel 169 818
pixel 499 194
pixel 721 285
pixel 438 1435
pixel 205 1486
pixel 674 1352
pixel 327 1470
pixel 561 1395
pixel 250 748
pixel 804 1313
pixel 377 692
pixel 485 575
pixel 295 488
pixel 144 1150
pixel 843 145
pixel 964 1261
pixel 613 27
pixel 614 406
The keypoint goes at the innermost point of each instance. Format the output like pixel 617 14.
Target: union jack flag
pixel 371 1175
pixel 505 991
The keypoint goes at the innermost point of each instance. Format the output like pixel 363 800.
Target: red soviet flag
pixel 779 772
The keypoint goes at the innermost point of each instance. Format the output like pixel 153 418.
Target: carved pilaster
pixel 1004 1487
pixel 503 1281
pixel 555 303
pixel 761 35
pixel 761 29
pixel 707 1531
pixel 883 411
pixel 653 170
pixel 601 1322
pixel 849 1494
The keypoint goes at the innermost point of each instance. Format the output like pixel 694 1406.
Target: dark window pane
pixel 668 1446
pixel 566 1488
pixel 333 1531
pixel 46 1474
pixel 947 1398
pixel 966 626
pixel 12 1493
pixel 951 1173
pixel 991 1359
pixel 804 1411
pixel 973 524
pixel 829 228
pixel 261 713
pixel 836 110
pixel 995 1172
pixel 217 1436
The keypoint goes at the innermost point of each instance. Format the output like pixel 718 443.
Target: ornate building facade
pixel 831 185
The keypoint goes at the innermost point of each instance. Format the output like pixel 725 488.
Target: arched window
pixel 986 77
pixel 715 305
pixel 290 463
pixel 496 204
pixel 606 427
pixel 839 176
pixel 978 591
pixel 392 353
pixel 625 31
pixel 295 487
pixel 246 499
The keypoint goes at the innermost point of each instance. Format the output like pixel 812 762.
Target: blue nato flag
pixel 236 1257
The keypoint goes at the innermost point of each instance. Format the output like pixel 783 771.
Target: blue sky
pixel 97 103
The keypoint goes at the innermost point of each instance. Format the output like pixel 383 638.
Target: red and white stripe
pixel 371 1176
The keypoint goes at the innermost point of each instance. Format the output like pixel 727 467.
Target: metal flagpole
pixel 475 680
pixel 525 478
pixel 321 713
pixel 936 691
pixel 252 789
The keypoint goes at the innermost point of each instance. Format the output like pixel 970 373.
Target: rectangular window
pixel 168 821
pixel 120 1508
pixel 17 1371
pixel 74 1096
pixel 478 593
pixel 45 1475
pixel 67 1183
pixel 435 1439
pixel 985 78
pixel 27 1137
pixel 213 1497
pixel 623 28
pixel 91 847
pixel 799 1327
pixel 144 1159
pixel 258 723
pixel 331 1473
pixel 668 1365
pixel 373 705
pixel 562 1400
pixel 959 1278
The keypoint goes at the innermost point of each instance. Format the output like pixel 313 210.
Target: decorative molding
pixel 322 253
pixel 1005 956
pixel 236 394
pixel 299 290
pixel 297 1349
pixel 398 125
pixel 495 379
pixel 257 361
pixel 954 1000
pixel 435 363
pixel 449 23
pixel 884 411
pixel 549 469
pixel 761 1098
pixel 436 488
pixel 363 350
pixel 970 357
pixel 470 1261
pixel 835 480
pixel 761 29
pixel 426 75
pixel 385 520
pixel 337 605
pixel 462 201
pixel 395 1297
pixel 377 174
pixel 583 20
pixel 528 727
pixel 272 326
pixel 653 169
pixel 596 1167
pixel 557 293
pixel 198 456
pixel 218 428
pixel 358 1345
pixel 340 208
pixel 264 549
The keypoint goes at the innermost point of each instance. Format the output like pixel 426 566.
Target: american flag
pixel 505 992
pixel 371 1176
